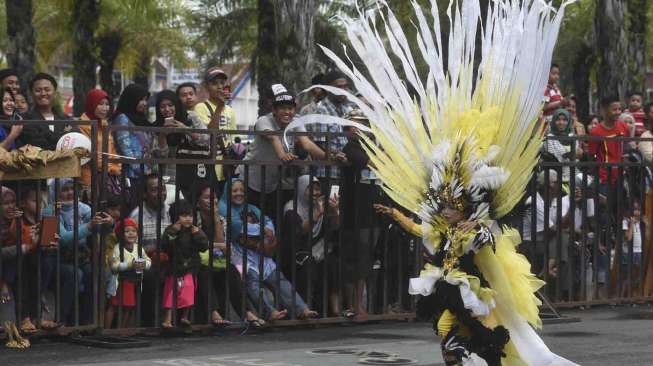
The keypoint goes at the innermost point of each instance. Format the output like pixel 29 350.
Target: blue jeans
pixel 286 292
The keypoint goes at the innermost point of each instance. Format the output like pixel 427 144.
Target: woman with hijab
pixel 170 112
pixel 132 112
pixel 223 274
pixel 233 207
pixel 97 108
pixel 312 236
pixel 9 133
pixel 555 144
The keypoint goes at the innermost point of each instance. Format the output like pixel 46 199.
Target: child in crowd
pixel 272 277
pixel 634 229
pixel 127 266
pixel 8 238
pixel 182 242
pixel 30 203
pixel 635 109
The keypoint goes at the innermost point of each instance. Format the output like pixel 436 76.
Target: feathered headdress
pixel 465 136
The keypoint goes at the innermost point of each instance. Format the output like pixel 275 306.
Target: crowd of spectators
pixel 599 170
pixel 263 240
pixel 189 242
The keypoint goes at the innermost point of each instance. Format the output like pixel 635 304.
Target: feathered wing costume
pixel 463 140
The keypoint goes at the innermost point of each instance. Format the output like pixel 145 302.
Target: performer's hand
pixel 467 225
pixel 383 210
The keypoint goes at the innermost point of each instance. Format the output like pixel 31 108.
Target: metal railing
pixel 579 255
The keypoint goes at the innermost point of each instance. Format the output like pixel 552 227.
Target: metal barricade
pixel 573 229
pixel 579 217
pixel 51 287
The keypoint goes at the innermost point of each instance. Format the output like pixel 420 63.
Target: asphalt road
pixel 605 336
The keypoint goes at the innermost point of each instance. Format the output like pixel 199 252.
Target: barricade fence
pixel 274 237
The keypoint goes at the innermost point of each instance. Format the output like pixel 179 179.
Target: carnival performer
pixel 456 148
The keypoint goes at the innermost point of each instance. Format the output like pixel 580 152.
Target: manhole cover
pixel 339 351
pixel 386 361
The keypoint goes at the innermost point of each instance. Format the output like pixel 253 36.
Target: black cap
pixel 282 95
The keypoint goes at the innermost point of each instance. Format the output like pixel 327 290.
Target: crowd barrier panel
pixel 591 264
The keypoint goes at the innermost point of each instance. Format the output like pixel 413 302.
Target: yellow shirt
pixel 227 122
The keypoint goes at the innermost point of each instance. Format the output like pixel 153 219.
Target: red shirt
pixel 551 95
pixel 639 117
pixel 608 151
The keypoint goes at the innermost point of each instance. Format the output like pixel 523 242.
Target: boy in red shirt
pixel 609 151
pixel 553 99
pixel 635 109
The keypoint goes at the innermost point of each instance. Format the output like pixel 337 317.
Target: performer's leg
pixel 453 352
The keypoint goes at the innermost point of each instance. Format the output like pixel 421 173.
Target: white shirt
pixel 637 236
pixel 578 214
pixel 539 217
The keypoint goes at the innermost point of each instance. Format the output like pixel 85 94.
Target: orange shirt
pixel 114 169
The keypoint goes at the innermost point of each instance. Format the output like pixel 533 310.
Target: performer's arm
pixel 403 221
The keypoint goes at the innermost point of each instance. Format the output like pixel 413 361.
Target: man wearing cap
pixel 271 148
pixel 337 106
pixel 317 93
pixel 216 114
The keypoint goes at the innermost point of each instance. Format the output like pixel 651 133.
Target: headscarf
pixel 180 112
pixel 303 204
pixel 7 193
pixel 236 224
pixel 567 130
pixel 127 222
pixel 128 101
pixel 93 99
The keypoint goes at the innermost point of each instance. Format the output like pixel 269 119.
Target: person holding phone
pixel 216 114
pixel 132 111
pixel 313 238
pixel 170 112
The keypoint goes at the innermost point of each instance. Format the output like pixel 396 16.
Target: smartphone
pixel 169 121
pixel 335 190
pixel 49 229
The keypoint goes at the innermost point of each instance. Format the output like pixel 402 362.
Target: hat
pixel 282 95
pixel 214 73
pixel 127 222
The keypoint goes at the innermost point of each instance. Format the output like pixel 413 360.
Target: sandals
pixel 220 322
pixel 49 325
pixel 27 327
pixel 256 323
pixel 348 314
pixel 185 322
pixel 278 315
pixel 308 314
pixel 5 297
